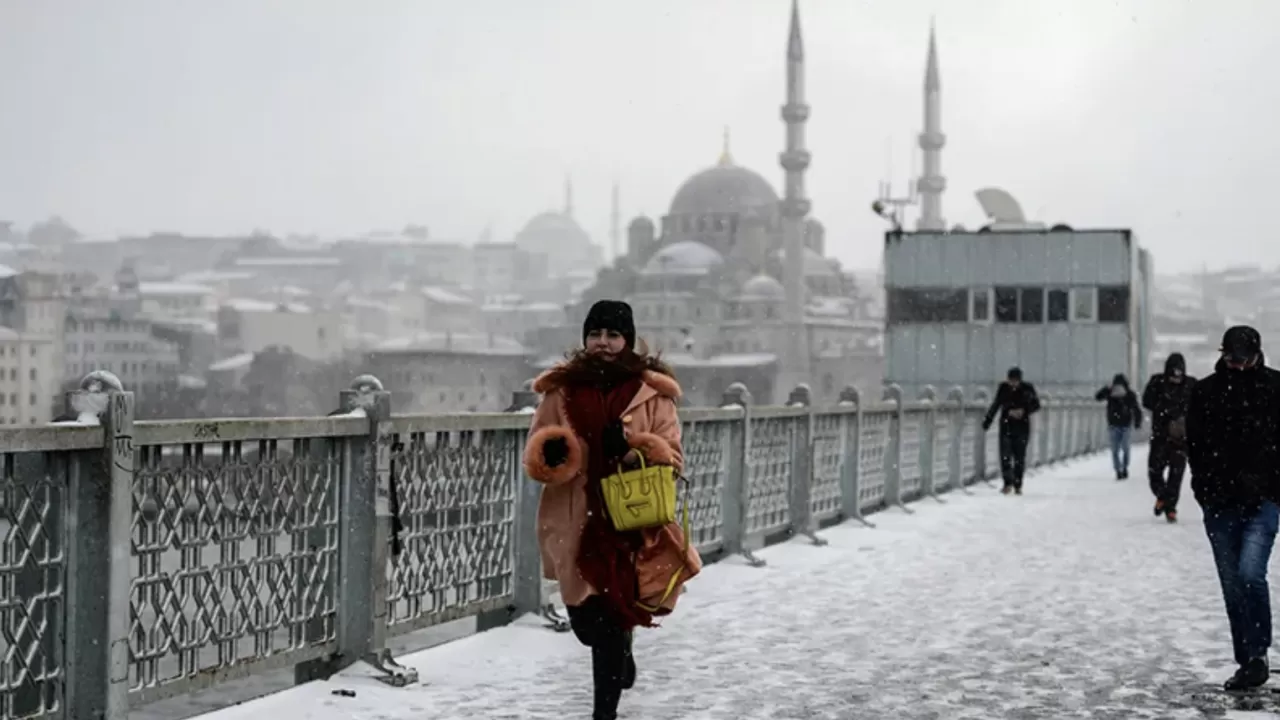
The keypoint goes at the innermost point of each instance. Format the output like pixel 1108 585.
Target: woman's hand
pixel 631 459
pixel 555 452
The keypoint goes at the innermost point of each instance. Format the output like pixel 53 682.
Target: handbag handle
pixel 639 455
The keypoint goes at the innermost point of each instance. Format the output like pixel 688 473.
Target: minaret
pixel 568 196
pixel 931 183
pixel 795 207
pixel 615 223
pixel 726 157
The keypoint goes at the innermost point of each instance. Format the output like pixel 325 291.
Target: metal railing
pixel 144 560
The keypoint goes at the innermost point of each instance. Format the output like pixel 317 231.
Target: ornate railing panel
pixel 457 494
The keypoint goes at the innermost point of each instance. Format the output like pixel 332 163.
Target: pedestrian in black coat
pixel 1167 397
pixel 1233 436
pixel 1123 416
pixel 1016 401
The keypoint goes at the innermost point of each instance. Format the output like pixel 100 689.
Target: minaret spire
pixel 568 196
pixel 726 157
pixel 795 208
pixel 931 183
pixel 615 222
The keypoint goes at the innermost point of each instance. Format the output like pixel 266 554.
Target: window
pixel 1006 305
pixel 980 305
pixel 1084 304
pixel 1031 305
pixel 1113 304
pixel 1059 305
pixel 928 306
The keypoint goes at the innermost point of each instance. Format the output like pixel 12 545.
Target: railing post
pixel 99 541
pixel 893 453
pixel 928 443
pixel 1042 430
pixel 527 565
pixel 803 448
pixel 364 541
pixel 733 502
pixel 980 458
pixel 955 463
pixel 851 457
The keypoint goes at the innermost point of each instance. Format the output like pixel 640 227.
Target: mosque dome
pixel 551 231
pixel 640 224
pixel 725 188
pixel 683 258
pixel 763 287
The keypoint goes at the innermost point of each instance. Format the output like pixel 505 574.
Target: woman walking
pixel 603 407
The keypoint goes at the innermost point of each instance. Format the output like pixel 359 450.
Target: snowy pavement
pixel 1072 601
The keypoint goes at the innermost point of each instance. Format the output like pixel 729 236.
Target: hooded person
pixel 605 406
pixel 1123 416
pixel 1166 397
pixel 1233 427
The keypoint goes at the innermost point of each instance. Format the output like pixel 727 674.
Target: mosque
pixel 733 283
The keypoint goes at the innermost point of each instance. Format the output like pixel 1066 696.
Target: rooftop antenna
pixel 893 208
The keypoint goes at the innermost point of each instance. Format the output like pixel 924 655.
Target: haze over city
pixel 336 118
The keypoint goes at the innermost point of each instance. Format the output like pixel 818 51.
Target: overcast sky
pixel 334 117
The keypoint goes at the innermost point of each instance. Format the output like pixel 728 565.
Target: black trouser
pixel 1166 455
pixel 1013 453
pixel 596 626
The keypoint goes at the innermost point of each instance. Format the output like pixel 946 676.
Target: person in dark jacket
pixel 1166 397
pixel 1016 401
pixel 1233 424
pixel 1123 415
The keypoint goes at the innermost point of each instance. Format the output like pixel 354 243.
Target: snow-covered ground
pixel 1072 601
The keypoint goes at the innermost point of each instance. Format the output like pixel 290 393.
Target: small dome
pixel 725 188
pixel 683 258
pixel 815 265
pixel 763 287
pixel 640 223
pixel 551 231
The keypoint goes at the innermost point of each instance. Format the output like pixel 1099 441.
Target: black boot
pixel 1250 675
pixel 607 669
pixel 629 669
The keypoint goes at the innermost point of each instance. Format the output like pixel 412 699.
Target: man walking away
pixel 1233 420
pixel 1123 414
pixel 1166 397
pixel 1016 401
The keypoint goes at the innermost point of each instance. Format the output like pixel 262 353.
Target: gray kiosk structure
pixel 1070 307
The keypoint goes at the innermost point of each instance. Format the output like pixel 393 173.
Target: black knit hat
pixel 612 315
pixel 1240 343
pixel 1015 373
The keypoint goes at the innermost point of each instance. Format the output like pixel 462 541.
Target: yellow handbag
pixel 641 498
pixel 646 498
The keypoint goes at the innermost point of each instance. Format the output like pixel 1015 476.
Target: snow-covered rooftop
pixel 445 296
pixel 254 305
pixel 207 276
pixel 289 261
pixel 151 287
pixel 235 362
pixel 463 343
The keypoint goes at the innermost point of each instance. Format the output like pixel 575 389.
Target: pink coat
pixel 652 426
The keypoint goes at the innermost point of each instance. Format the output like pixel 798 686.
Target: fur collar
pixel 662 383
